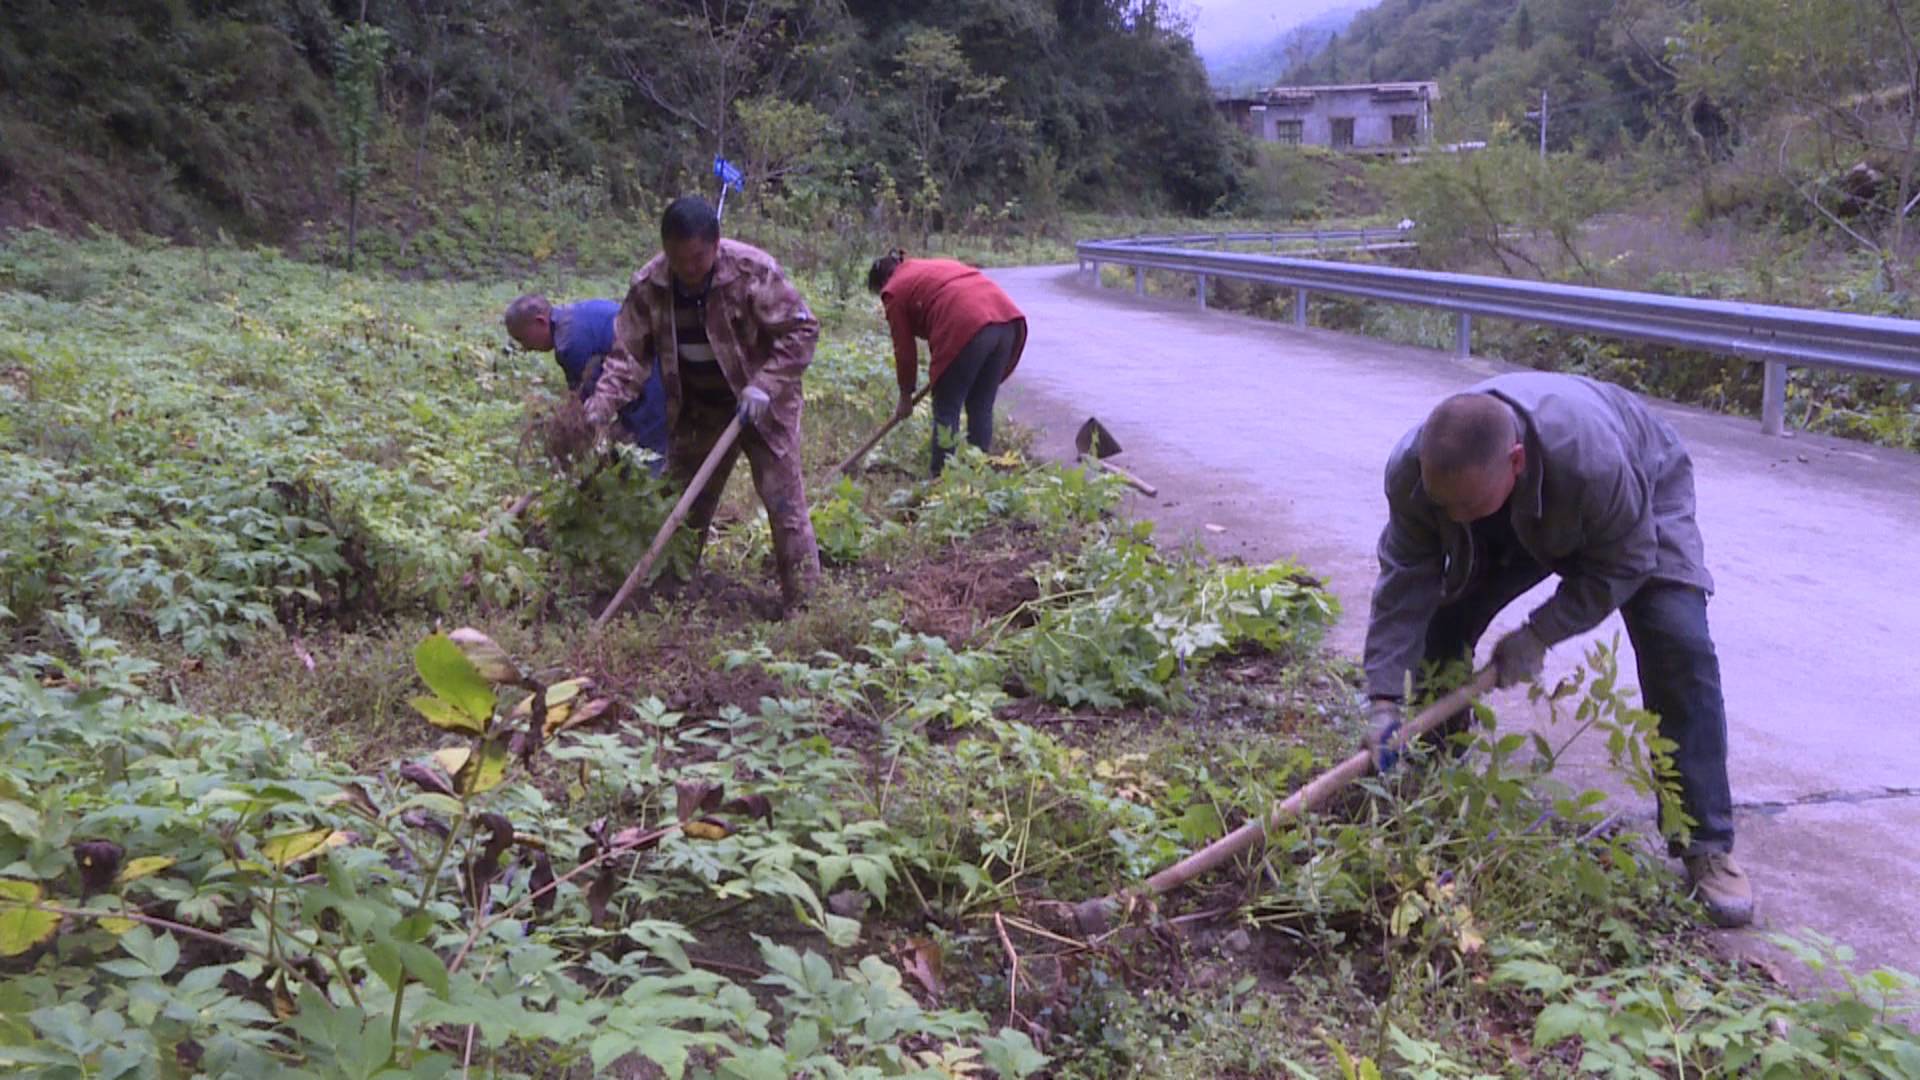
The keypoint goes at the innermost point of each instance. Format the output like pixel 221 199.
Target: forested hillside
pixel 1495 57
pixel 185 118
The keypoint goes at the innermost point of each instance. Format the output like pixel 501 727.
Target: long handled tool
pixel 1095 444
pixel 1094 916
pixel 867 447
pixel 667 529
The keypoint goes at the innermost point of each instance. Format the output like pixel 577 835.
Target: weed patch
pixel 263 809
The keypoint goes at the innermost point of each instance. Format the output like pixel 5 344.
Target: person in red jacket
pixel 974 333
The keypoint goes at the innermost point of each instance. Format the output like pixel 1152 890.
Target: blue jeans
pixel 1679 677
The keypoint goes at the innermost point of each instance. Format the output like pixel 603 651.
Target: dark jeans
pixel 1679 672
pixel 973 380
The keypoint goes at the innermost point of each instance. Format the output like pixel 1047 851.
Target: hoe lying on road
pixel 1095 444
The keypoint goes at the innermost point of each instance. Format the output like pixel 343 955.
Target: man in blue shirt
pixel 579 336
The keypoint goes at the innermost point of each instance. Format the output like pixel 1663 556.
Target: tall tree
pixel 695 59
pixel 362 54
pixel 952 112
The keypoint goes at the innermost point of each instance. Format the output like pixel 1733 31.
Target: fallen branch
pixel 1013 977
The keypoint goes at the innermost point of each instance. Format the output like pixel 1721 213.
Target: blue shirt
pixel 582 337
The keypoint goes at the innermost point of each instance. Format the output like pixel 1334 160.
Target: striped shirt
pixel 700 373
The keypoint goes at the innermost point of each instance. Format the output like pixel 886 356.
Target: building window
pixel 1406 130
pixel 1287 132
pixel 1342 132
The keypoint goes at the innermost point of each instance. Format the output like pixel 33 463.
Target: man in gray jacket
pixel 1534 474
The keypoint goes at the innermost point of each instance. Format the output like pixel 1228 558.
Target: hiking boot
pixel 1721 887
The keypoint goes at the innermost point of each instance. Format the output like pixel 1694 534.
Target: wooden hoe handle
pixel 667 529
pixel 1094 914
pixel 867 447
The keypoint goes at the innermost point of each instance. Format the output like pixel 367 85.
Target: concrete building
pixel 1367 117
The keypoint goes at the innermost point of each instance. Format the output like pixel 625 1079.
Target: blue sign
pixel 729 176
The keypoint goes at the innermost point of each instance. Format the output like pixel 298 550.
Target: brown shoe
pixel 1721 887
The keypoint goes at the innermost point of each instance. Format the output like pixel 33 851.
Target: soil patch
pixel 960 593
pixel 707 692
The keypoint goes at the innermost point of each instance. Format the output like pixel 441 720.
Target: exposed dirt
pixel 716 595
pixel 960 597
pixel 707 692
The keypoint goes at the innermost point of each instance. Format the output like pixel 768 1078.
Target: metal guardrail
pixel 1779 337
pixel 1302 236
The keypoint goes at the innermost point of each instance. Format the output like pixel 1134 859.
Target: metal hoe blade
pixel 1094 438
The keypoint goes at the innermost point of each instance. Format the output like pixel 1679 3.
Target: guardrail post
pixel 1463 336
pixel 1139 281
pixel 1773 398
pixel 1200 288
pixel 1299 307
pixel 1096 273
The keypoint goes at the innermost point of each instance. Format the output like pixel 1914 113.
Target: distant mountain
pixel 1243 49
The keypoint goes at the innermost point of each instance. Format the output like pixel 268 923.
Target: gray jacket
pixel 1606 503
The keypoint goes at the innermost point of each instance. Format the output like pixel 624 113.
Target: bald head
pixel 1471 452
pixel 529 321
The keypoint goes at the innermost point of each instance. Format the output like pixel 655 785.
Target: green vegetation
pixel 258 811
pixel 1606 81
pixel 1724 150
pixel 181 120
pixel 310 763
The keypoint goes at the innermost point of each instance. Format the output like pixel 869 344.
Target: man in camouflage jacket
pixel 733 336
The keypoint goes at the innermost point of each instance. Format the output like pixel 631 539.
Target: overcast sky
pixel 1233 22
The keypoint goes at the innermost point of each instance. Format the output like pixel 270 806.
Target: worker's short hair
pixel 690 217
pixel 525 309
pixel 1466 432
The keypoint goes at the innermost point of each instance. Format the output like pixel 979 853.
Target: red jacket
pixel 947 303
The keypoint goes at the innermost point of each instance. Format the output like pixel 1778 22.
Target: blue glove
pixel 1383 719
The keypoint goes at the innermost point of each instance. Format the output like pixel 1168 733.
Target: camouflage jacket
pixel 761 330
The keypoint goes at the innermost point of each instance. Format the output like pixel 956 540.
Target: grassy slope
pixel 180 419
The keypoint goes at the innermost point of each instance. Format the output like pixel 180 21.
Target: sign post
pixel 729 177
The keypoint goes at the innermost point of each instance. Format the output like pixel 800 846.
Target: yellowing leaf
pixel 559 694
pixel 1470 940
pixel 706 829
pixel 116 926
pixel 452 677
pixel 22 924
pixel 289 848
pixel 446 717
pixel 484 772
pixel 577 715
pixel 488 658
pixel 1405 915
pixel 452 759
pixel 145 866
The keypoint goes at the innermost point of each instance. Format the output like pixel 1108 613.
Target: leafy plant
pixel 601 516
pixel 846 532
pixel 1123 624
pixel 259 910
pixel 1649 1020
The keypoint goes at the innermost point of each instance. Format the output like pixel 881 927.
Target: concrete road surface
pixel 1278 435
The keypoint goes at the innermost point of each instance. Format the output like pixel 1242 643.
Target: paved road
pixel 1278 435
